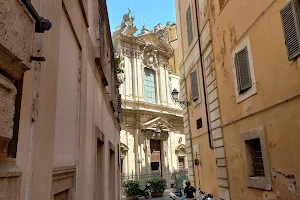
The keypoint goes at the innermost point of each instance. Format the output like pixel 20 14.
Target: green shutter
pixel 290 23
pixel 189 25
pixel 194 86
pixel 242 68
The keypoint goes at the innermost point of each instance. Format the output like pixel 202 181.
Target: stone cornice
pixel 168 116
pixel 155 108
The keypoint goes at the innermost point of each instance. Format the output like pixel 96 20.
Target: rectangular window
pixel 199 123
pixel 154 166
pixel 194 86
pixel 189 24
pixel 181 163
pixel 150 89
pixel 291 28
pixel 256 165
pixel 254 156
pixel 242 67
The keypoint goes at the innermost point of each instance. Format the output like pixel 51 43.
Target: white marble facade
pixel 150 116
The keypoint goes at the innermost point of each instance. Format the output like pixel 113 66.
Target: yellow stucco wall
pixel 275 106
pixel 205 174
pixel 172 38
pixel 277 80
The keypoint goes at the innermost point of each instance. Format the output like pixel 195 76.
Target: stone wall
pixel 7 107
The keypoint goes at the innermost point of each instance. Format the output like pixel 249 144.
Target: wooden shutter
pixel 194 85
pixel 120 111
pixel 189 25
pixel 242 68
pixel 290 22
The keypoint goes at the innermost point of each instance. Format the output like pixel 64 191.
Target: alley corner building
pixel 240 61
pixel 152 140
pixel 60 106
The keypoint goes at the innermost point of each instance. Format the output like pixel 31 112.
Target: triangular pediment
pixel 157 123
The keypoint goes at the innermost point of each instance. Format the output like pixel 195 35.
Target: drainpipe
pixel 203 78
pixel 41 24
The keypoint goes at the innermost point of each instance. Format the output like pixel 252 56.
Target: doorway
pixel 156 164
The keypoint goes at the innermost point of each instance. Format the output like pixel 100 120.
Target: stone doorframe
pixel 156 129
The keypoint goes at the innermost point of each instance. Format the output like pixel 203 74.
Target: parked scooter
pixel 145 191
pixel 204 196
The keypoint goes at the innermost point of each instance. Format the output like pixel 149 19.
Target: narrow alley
pixel 152 99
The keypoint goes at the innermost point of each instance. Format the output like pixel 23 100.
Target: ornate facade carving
pixel 180 150
pixel 158 120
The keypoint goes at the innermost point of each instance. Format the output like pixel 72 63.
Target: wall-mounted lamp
pixel 175 97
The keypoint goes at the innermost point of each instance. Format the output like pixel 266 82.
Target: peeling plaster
pixel 213 10
pixel 233 39
pixel 290 181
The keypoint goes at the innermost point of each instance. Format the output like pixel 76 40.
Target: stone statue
pixel 127 24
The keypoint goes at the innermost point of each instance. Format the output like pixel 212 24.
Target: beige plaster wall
pixel 63 101
pixel 66 125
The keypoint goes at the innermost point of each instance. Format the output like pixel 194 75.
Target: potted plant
pixel 158 186
pixel 132 189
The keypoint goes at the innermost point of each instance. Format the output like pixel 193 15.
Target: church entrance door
pixel 156 166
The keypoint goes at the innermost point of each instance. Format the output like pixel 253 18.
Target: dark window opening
pixel 255 158
pixel 199 123
pixel 154 166
pixel 181 163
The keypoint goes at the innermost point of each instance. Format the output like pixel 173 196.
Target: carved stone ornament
pixel 150 134
pixel 150 59
pixel 124 150
pixel 180 150
pixel 127 26
pixel 157 131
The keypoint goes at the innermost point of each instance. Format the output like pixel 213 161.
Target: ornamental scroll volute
pixel 157 131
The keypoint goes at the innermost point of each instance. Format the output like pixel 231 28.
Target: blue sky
pixel 155 11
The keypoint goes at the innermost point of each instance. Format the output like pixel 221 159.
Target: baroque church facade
pixel 152 139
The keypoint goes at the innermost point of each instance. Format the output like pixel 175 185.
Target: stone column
pixel 157 83
pixel 147 155
pixel 136 150
pixel 163 159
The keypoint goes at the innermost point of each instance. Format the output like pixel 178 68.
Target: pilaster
pixel 215 121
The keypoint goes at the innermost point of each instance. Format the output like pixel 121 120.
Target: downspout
pixel 203 78
pixel 41 24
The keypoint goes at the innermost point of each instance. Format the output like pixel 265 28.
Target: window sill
pixel 247 94
pixel 8 168
pixel 259 183
pixel 196 103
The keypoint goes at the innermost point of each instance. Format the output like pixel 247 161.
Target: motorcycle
pixel 145 192
pixel 204 196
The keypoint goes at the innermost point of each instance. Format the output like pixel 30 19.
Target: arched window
pixel 149 82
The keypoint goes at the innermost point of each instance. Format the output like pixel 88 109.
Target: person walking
pixel 189 191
